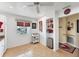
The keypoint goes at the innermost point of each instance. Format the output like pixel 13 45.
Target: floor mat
pixel 67 47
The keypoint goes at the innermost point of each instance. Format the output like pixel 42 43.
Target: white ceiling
pixel 23 8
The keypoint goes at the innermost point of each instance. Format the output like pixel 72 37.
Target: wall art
pixel 40 26
pixel 33 25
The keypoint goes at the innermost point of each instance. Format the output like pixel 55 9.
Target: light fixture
pixel 11 7
pixel 24 6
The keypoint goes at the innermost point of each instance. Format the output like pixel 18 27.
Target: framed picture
pixel 40 26
pixel 33 25
pixel 22 30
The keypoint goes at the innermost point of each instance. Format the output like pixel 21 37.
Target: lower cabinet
pixel 50 43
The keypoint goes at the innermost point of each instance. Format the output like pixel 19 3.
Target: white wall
pixel 15 39
pixel 43 33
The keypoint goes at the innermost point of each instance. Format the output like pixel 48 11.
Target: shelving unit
pixel 49 30
pixel 50 25
pixel 35 38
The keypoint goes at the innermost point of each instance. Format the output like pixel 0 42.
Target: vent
pixel 70 40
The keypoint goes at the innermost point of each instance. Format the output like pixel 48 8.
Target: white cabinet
pixel 35 37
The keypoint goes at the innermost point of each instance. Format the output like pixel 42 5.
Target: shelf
pixel 50 25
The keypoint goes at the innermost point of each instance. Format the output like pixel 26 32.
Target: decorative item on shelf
pixel 33 25
pixel 49 30
pixel 1 30
pixel 51 20
pixel 1 24
pixel 50 25
pixel 69 26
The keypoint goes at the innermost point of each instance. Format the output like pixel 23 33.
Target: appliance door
pixel 50 43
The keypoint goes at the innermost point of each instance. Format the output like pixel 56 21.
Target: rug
pixel 67 47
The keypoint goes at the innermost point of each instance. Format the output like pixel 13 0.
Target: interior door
pixel 62 30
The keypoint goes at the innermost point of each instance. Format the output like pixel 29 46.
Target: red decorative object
pixel 20 23
pixel 1 30
pixel 50 25
pixel 67 11
pixel 1 24
pixel 27 24
pixel 50 30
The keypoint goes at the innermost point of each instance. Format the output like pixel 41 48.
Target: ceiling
pixel 28 9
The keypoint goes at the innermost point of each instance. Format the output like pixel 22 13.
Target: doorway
pixel 62 30
pixel 68 32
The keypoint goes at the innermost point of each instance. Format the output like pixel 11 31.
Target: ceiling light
pixel 10 6
pixel 24 6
